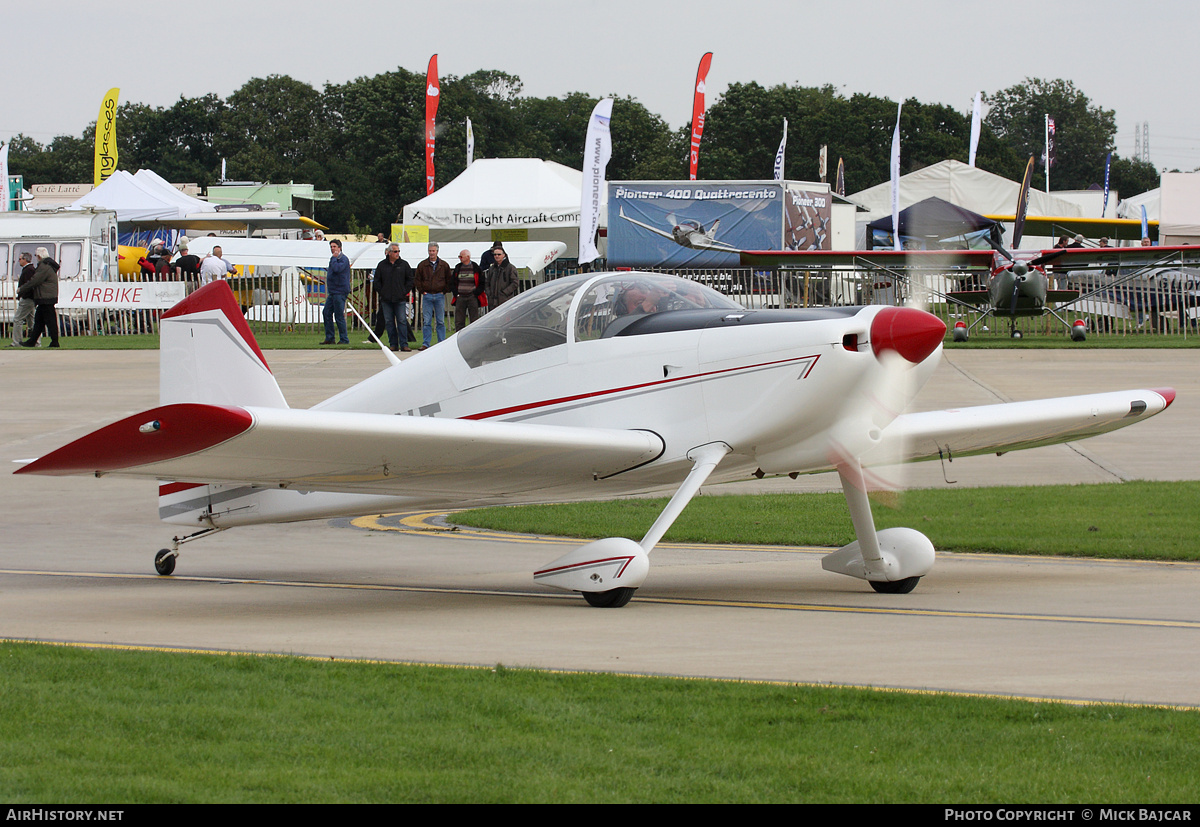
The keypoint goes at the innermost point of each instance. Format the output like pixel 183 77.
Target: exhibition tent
pixel 1179 204
pixel 962 185
pixel 141 197
pixel 527 198
pixel 932 221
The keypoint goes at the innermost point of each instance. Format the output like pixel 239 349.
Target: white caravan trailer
pixel 83 242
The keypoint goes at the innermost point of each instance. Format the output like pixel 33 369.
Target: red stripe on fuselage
pixel 563 399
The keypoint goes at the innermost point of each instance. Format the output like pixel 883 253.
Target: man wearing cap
pixel 187 266
pixel 25 306
pixel 43 289
pixel 501 279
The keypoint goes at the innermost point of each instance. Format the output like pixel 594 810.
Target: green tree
pixel 273 126
pixel 1130 176
pixel 1083 132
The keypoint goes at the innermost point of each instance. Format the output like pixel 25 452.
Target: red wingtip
pixel 1166 393
pixel 152 436
pixel 912 333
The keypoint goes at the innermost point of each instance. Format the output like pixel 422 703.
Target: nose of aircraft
pixel 912 333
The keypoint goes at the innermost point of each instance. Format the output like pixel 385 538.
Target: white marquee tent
pixel 965 186
pixel 539 197
pixel 141 197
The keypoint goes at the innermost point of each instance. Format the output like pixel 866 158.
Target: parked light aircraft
pixel 690 234
pixel 591 386
pixel 1016 284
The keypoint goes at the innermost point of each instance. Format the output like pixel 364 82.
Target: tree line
pixel 364 139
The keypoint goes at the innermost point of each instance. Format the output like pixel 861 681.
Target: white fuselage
pixel 773 392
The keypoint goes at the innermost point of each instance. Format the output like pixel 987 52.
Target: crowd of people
pixel 472 286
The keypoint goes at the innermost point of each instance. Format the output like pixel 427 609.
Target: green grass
pixel 268 339
pixel 118 727
pixel 1135 520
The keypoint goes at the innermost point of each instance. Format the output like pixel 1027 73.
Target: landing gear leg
pixel 609 571
pixel 164 559
pixel 892 560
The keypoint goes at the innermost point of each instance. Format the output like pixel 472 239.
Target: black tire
pixel 164 561
pixel 611 599
pixel 895 586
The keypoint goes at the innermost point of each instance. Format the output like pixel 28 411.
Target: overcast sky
pixel 1137 59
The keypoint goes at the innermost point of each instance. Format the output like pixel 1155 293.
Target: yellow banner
pixel 407 233
pixel 106 139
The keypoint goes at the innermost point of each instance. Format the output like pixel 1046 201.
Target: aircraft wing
pixel 814 259
pixel 644 226
pixel 1074 258
pixel 349 452
pixel 1014 426
pixel 1051 225
pixel 977 298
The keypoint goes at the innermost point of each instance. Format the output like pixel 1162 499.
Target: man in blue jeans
pixel 337 288
pixel 433 282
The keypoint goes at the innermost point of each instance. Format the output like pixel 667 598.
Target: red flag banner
pixel 431 105
pixel 698 113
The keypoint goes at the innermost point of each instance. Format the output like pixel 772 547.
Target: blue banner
pixel 692 223
pixel 1107 170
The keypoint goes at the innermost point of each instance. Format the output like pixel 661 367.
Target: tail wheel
pixel 164 561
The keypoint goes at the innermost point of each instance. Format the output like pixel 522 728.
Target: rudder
pixel 208 355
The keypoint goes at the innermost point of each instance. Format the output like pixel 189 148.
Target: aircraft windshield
pixel 612 302
pixel 537 319
pixel 534 320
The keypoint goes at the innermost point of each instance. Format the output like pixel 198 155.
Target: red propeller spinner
pixel 912 333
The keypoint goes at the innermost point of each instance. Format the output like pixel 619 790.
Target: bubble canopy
pixel 581 308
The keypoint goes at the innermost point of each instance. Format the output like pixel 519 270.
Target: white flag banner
pixel 976 121
pixel 779 154
pixel 4 178
pixel 470 143
pixel 597 149
pixel 896 182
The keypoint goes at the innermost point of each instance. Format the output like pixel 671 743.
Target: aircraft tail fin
pixel 208 354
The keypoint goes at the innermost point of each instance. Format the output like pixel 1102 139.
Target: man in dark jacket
pixel 393 283
pixel 25 306
pixel 337 288
pixel 43 289
pixel 501 279
pixel 433 282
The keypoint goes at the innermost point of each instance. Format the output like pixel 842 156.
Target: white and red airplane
pixel 592 386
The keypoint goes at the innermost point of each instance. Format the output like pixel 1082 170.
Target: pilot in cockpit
pixel 640 297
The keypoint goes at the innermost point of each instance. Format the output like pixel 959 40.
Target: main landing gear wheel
pixel 894 586
pixel 164 561
pixel 611 599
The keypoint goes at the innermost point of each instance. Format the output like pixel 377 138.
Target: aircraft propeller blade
pixel 999 248
pixel 901 339
pixel 1022 205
